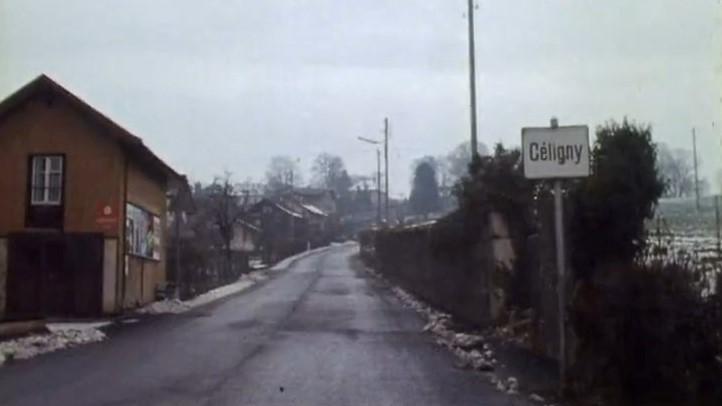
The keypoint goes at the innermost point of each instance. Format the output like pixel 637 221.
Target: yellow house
pixel 83 206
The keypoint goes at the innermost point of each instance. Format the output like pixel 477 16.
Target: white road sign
pixel 561 152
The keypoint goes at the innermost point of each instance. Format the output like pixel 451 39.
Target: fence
pixel 204 269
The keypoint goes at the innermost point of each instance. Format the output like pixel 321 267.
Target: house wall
pixel 110 274
pixel 143 274
pixel 244 240
pixel 93 165
pixel 93 173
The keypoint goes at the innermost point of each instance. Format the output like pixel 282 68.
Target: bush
pixel 611 206
pixel 647 334
pixel 497 183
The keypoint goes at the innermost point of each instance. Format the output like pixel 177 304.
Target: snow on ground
pixel 285 263
pixel 66 326
pixel 174 306
pixel 471 350
pixel 60 335
pixel 257 264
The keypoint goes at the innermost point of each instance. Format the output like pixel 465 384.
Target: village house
pixel 283 231
pixel 83 208
pixel 246 237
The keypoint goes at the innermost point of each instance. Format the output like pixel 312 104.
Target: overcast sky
pixel 225 85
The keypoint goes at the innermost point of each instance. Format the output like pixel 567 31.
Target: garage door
pixel 54 275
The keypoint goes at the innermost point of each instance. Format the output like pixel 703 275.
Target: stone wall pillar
pixel 3 275
pixel 503 264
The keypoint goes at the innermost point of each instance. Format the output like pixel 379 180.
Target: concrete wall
pixel 93 164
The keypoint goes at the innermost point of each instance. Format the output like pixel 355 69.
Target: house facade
pixel 83 208
pixel 283 231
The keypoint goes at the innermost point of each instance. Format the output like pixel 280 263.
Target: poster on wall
pixel 142 232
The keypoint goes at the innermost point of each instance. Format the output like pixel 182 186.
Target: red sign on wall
pixel 106 216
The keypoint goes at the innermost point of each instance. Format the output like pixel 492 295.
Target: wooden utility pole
pixel 386 166
pixel 472 79
pixel 696 177
pixel 378 187
pixel 717 224
pixel 177 218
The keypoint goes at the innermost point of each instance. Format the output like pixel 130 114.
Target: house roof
pixel 313 192
pixel 132 144
pixel 314 210
pixel 288 211
pixel 249 226
pixel 284 209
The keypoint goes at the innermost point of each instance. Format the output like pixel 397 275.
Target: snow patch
pixel 62 335
pixel 79 326
pixel 285 263
pixel 164 306
pixel 175 306
pixel 471 350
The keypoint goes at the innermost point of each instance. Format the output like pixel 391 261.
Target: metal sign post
pixel 556 153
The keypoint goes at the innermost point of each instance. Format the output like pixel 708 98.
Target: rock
pixel 483 365
pixel 536 398
pixel 512 384
pixel 467 340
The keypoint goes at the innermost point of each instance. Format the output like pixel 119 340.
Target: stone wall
pixel 463 276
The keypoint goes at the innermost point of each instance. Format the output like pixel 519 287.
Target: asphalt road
pixel 320 333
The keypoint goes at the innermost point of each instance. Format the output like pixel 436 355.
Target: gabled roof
pixel 131 143
pixel 312 192
pixel 283 209
pixel 249 226
pixel 314 210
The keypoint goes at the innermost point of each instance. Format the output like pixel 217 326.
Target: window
pixel 46 182
pixel 142 232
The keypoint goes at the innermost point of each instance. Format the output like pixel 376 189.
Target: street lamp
pixel 378 177
pixel 385 142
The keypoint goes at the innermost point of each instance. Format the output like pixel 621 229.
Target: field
pixel 680 225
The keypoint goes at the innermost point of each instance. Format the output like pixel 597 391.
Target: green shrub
pixel 611 206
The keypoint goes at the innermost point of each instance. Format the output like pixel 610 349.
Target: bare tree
pixel 283 171
pixel 328 170
pixel 676 168
pixel 456 162
pixel 225 211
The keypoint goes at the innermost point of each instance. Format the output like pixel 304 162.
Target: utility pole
pixel 696 177
pixel 386 166
pixel 472 79
pixel 717 224
pixel 378 187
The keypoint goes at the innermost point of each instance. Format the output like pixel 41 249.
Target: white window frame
pixel 44 199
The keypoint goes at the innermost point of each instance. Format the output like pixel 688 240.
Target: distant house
pixel 83 208
pixel 283 231
pixel 319 223
pixel 323 199
pixel 246 237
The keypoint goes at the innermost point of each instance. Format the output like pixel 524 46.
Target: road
pixel 320 333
